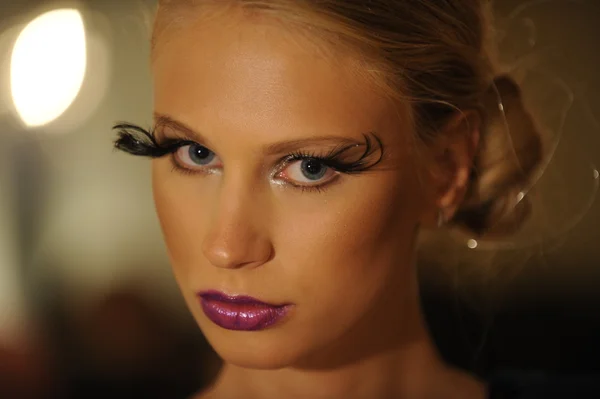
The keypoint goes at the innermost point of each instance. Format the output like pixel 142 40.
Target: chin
pixel 267 349
pixel 256 350
pixel 280 346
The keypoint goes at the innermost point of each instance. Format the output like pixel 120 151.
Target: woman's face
pixel 336 249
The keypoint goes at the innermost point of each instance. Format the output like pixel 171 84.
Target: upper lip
pixel 235 299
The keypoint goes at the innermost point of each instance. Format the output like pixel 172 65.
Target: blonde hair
pixel 437 55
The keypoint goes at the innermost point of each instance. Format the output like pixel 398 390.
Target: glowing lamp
pixel 48 66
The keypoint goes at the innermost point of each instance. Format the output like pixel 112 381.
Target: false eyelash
pixel 138 141
pixel 365 162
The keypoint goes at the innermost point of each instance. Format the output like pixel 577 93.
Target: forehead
pixel 238 74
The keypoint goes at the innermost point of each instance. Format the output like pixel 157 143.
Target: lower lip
pixel 242 316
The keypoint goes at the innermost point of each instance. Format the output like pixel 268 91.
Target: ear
pixel 454 153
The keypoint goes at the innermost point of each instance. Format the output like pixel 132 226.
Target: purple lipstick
pixel 240 313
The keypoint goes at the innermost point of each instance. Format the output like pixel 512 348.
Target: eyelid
pixel 165 123
pixel 172 140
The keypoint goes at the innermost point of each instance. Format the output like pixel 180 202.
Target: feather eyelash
pixel 138 141
pixel 371 156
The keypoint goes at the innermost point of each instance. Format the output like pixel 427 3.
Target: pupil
pixel 200 155
pixel 313 169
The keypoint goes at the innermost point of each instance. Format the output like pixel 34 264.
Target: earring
pixel 441 219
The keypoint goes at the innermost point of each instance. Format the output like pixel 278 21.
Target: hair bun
pixel 510 151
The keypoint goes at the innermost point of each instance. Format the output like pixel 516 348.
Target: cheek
pixel 179 205
pixel 344 252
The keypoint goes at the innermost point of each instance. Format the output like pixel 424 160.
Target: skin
pixel 343 256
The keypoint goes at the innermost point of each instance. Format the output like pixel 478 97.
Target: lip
pixel 240 312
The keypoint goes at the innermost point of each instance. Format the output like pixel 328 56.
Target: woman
pixel 299 148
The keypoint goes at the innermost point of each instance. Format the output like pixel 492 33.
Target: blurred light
pixel 472 244
pixel 48 66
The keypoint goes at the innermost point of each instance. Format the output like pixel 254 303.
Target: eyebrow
pixel 165 121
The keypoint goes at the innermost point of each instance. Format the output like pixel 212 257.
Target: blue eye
pixel 196 157
pixel 313 169
pixel 308 173
pixel 200 155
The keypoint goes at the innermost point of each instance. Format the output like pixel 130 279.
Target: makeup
pixel 240 313
pixel 347 158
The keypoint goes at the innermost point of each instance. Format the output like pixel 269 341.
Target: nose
pixel 237 237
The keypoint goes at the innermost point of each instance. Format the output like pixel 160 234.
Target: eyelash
pixel 138 141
